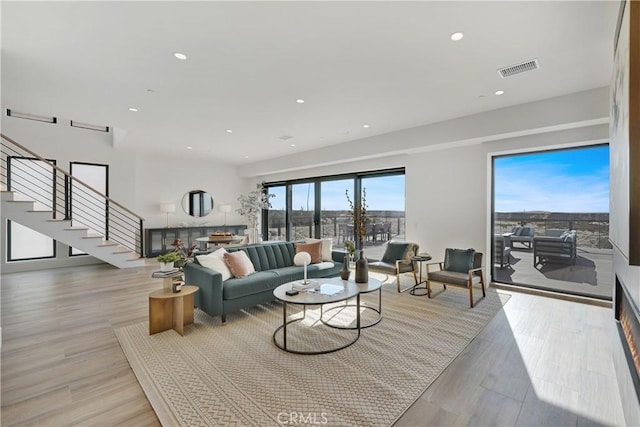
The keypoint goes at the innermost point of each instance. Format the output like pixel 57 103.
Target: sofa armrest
pixel 209 298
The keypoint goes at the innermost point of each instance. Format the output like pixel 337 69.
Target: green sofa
pixel 274 266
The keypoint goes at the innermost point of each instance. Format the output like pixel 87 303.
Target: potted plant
pixel 359 215
pixel 166 260
pixel 251 206
pixel 350 247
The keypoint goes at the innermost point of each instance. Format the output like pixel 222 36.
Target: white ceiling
pixel 390 65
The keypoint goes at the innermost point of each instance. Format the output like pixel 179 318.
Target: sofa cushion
pixel 256 283
pixel 314 249
pixel 267 256
pixel 327 247
pixel 459 260
pixel 239 264
pixel 215 261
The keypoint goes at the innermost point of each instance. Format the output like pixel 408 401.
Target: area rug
pixel 233 374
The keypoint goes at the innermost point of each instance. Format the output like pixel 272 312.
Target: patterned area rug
pixel 235 375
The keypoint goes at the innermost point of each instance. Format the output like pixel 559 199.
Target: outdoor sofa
pixel 274 266
pixel 522 235
pixel 555 246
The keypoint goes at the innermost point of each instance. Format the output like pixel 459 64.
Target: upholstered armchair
pixel 501 251
pixel 461 267
pixel 397 260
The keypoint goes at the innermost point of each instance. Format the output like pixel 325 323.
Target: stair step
pixel 122 251
pixel 97 236
pixel 58 220
pixel 76 229
pixel 20 201
pixel 107 243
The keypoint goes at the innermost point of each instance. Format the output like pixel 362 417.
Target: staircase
pixel 36 200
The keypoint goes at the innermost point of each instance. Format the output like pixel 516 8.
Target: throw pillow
pixel 314 249
pixel 395 251
pixel 215 261
pixel 327 247
pixel 239 264
pixel 460 260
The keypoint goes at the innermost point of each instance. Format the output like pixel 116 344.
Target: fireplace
pixel 628 322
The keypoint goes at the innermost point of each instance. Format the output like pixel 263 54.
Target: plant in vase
pixel 251 206
pixel 359 217
pixel 166 260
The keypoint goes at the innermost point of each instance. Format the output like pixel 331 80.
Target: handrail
pixel 90 208
pixel 69 175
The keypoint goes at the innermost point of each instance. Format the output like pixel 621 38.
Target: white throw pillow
pixel 327 247
pixel 215 261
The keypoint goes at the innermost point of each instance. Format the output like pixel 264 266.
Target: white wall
pixel 139 181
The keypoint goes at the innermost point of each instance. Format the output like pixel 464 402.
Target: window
pixel 87 208
pixel 32 179
pixel 317 207
pixel 551 221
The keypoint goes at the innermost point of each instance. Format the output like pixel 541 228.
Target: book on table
pixel 301 286
pixel 168 273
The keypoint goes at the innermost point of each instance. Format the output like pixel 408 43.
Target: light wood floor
pixel 539 362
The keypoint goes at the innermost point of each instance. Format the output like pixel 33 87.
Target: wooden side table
pixel 169 310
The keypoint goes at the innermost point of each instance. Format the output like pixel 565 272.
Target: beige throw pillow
pixel 239 264
pixel 314 249
pixel 327 247
pixel 215 261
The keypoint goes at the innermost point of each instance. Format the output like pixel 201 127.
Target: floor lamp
pixel 167 208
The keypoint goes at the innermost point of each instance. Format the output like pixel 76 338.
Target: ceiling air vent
pixel 519 68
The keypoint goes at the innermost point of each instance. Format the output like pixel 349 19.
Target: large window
pixel 317 207
pixel 32 179
pixel 551 221
pixel 87 208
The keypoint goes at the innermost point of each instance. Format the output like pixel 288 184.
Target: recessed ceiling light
pixel 180 56
pixel 150 90
pixel 189 148
pixel 229 130
pixel 293 145
pixel 499 92
pixel 246 157
pixel 457 36
pixel 365 126
pixel 300 101
pixel 135 110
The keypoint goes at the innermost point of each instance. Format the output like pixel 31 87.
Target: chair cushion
pixel 391 268
pixel 395 251
pixel 314 249
pixel 452 278
pixel 459 260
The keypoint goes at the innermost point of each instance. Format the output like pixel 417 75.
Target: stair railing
pixel 69 198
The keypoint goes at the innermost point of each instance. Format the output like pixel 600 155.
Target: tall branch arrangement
pixel 359 216
pixel 252 204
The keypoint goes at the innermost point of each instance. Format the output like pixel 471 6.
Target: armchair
pixel 461 267
pixel 501 251
pixel 397 260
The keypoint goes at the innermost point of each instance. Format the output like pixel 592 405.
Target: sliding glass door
pixel 551 221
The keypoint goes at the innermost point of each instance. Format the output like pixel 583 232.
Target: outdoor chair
pixel 501 251
pixel 554 249
pixel 461 267
pixel 397 260
pixel 523 235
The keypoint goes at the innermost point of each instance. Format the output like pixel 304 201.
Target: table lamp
pixel 225 209
pixel 167 208
pixel 303 258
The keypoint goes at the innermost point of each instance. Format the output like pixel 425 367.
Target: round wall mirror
pixel 197 203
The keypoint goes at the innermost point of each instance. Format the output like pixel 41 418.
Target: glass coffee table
pixel 324 291
pixel 365 288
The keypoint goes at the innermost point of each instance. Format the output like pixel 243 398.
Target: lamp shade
pixel 225 208
pixel 167 207
pixel 302 258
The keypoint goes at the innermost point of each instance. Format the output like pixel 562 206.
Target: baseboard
pixel 550 294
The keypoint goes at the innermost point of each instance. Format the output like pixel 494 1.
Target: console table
pixel 158 240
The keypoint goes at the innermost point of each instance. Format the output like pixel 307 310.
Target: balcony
pixel 592 273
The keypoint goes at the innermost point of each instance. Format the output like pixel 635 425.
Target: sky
pixel 575 180
pixel 383 193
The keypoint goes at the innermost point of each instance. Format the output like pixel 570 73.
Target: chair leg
pixel 428 288
pixel 471 294
pixel 408 288
pixel 484 294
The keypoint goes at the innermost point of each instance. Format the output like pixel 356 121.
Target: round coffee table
pixel 365 288
pixel 323 295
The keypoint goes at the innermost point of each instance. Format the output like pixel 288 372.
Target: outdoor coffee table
pixel 365 288
pixel 314 297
